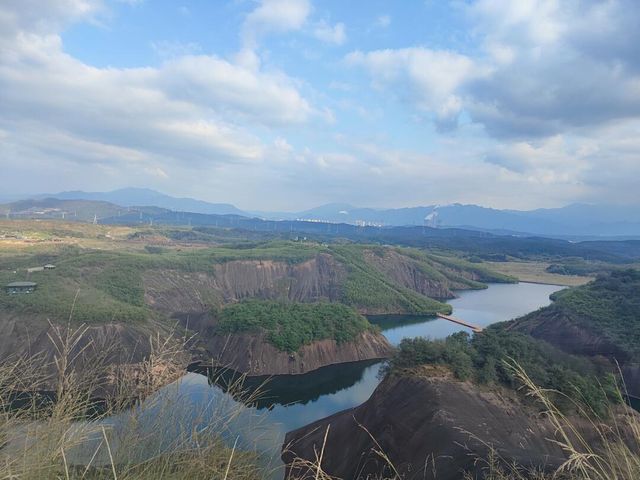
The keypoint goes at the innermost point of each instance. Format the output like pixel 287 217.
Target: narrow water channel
pixel 290 402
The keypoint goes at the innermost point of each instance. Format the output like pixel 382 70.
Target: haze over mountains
pixel 576 220
pixel 129 197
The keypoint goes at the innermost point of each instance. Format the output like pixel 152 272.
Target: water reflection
pixel 296 400
pixel 269 391
pixel 290 402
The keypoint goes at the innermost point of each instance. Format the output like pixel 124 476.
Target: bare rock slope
pixel 254 355
pixel 424 423
pixel 174 291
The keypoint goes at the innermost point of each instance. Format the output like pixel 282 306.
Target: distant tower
pixel 95 218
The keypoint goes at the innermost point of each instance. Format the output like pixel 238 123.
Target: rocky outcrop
pixel 573 334
pixel 254 355
pixel 32 335
pixel 318 279
pixel 568 332
pixel 425 422
pixel 408 273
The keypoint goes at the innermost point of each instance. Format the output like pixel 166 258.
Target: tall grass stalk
pixel 51 426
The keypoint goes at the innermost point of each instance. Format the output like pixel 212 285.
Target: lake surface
pixel 290 402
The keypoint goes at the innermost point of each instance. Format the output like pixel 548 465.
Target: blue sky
pixel 287 104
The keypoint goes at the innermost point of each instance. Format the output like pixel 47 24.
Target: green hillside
pixel 100 271
pixel 610 306
pixel 486 359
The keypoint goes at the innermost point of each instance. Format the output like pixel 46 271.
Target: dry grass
pixel 63 435
pixel 611 451
pixel 615 453
pixel 535 272
pixel 67 438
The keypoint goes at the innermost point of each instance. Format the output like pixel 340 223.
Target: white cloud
pixel 234 90
pixel 428 79
pixel 555 65
pixel 555 84
pixel 65 119
pixel 335 34
pixel 44 16
pixel 545 67
pixel 553 160
pixel 274 16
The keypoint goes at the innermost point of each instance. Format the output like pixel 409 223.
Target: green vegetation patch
pixel 367 288
pixel 466 269
pixel 123 282
pixel 581 267
pixel 610 305
pixel 109 283
pixel 484 359
pixel 289 326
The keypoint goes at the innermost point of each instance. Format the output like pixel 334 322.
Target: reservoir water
pixel 290 402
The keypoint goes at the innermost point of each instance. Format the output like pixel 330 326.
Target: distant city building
pixel 14 288
pixel 49 266
pixel 366 223
pixel 313 220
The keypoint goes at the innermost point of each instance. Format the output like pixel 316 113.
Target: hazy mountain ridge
pixel 74 210
pixel 575 220
pixel 129 197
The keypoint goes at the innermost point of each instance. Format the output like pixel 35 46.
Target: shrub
pixel 292 325
pixel 484 358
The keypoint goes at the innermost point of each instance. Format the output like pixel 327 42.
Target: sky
pixel 288 104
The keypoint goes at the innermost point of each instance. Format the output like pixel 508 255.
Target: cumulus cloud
pixel 548 96
pixel 190 112
pixel 552 160
pixel 274 16
pixel 234 90
pixel 557 75
pixel 429 79
pixel 44 17
pixel 547 66
pixel 551 83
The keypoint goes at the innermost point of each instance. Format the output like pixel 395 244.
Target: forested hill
pixel 600 318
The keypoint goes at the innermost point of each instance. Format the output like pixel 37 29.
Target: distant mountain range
pixel 74 210
pixel 573 221
pixel 577 220
pixel 130 197
pixel 471 241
